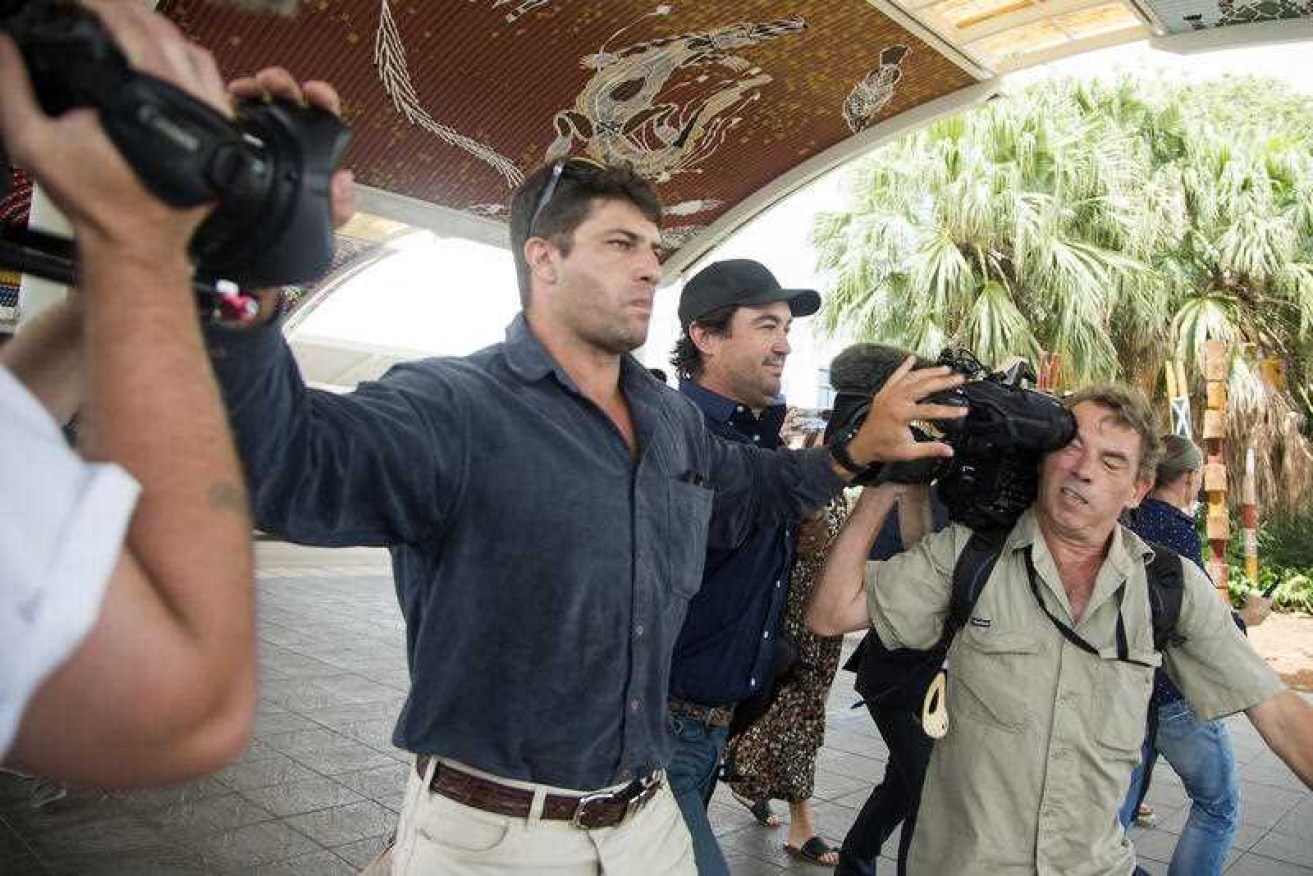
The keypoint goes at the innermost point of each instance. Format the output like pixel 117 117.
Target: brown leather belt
pixel 709 715
pixel 590 811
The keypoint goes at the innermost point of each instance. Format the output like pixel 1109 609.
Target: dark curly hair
pixel 686 357
pixel 578 186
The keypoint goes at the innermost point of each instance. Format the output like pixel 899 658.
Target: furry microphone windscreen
pixel 862 369
pixel 281 7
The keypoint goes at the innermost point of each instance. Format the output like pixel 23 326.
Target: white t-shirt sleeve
pixel 62 525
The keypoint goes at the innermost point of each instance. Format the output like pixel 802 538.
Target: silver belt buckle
pixel 647 787
pixel 582 807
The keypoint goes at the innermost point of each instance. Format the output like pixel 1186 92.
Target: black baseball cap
pixel 739 281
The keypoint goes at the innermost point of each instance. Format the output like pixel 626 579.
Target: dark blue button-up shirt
pixel 543 571
pixel 726 650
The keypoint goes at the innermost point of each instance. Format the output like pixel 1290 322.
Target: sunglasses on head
pixel 578 166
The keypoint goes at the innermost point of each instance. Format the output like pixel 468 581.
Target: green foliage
pixel 1293 593
pixel 1288 541
pixel 1285 555
pixel 1117 224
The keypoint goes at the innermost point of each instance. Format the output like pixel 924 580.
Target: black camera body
pixel 268 170
pixel 993 475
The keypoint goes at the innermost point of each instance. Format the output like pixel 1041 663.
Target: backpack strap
pixel 883 673
pixel 1166 579
pixel 970 573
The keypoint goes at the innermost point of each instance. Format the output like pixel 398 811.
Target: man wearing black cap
pixel 730 358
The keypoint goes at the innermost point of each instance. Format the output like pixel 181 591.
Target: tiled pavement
pixel 318 790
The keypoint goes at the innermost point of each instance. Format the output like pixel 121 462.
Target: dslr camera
pixel 993 474
pixel 268 170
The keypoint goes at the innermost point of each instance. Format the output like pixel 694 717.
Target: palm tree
pixel 1000 230
pixel 1115 224
pixel 1244 270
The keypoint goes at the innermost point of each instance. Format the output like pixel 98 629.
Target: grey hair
pixel 1180 455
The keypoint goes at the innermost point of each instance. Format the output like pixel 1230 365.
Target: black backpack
pixel 899 677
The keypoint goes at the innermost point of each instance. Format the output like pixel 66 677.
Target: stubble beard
pixel 617 336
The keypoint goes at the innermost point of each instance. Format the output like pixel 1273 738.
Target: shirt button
pixel 752 682
pixel 777 585
pixel 766 634
pixel 638 631
pixel 756 437
pixel 635 704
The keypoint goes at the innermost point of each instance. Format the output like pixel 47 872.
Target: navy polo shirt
pixel 725 652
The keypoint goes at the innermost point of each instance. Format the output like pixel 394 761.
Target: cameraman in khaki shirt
pixel 1043 735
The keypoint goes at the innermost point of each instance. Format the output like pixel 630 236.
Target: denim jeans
pixel 1201 754
pixel 692 773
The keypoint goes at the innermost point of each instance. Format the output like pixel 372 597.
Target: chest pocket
pixel 1124 690
pixel 987 674
pixel 687 519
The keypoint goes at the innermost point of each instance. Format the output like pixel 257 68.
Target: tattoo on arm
pixel 227 496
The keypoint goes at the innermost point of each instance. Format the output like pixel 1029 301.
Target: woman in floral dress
pixel 775 757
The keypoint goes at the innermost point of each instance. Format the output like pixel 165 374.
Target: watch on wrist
pixel 838 447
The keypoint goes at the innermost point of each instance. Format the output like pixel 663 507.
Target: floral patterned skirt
pixel 775 758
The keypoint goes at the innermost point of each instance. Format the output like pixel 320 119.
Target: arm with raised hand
pixel 754 486
pixel 838 603
pixel 163 685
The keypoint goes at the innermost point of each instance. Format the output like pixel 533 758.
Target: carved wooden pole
pixel 1249 516
pixel 1219 524
pixel 1178 400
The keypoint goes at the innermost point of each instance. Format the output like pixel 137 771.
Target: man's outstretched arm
pixel 1285 722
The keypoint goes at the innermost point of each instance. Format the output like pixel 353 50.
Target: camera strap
pixel 1123 649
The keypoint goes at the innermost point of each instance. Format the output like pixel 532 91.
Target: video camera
pixel 268 170
pixel 993 475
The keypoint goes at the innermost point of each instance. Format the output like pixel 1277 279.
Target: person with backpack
pixel 1199 751
pixel 1050 671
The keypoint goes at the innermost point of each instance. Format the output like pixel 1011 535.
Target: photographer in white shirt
pixel 126 614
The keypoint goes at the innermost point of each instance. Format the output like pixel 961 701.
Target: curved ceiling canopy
pixel 725 105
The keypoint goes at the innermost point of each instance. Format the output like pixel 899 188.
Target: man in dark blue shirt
pixel 730 358
pixel 548 505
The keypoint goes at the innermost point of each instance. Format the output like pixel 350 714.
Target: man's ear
pixel 1142 488
pixel 702 338
pixel 540 256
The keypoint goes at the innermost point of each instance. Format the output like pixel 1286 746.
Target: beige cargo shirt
pixel 1042 735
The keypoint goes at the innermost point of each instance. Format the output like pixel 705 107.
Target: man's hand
pixel 1256 609
pixel 886 434
pixel 275 82
pixel 75 162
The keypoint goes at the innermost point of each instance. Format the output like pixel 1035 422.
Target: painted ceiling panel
pixel 1184 16
pixel 453 101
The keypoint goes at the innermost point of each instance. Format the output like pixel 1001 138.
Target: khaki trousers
pixel 437 835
